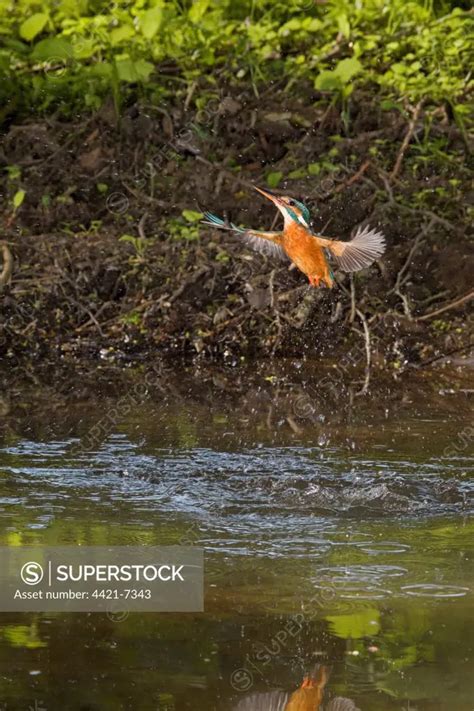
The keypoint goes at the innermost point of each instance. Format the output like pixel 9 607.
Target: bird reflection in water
pixel 309 697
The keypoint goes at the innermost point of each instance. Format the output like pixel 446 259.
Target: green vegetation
pixel 67 56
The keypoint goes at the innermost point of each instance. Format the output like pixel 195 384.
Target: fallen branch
pixel 452 305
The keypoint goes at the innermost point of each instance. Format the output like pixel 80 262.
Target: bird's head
pixel 291 209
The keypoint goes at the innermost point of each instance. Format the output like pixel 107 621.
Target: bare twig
pixel 437 358
pixel 406 140
pixel 228 173
pixel 353 300
pixel 83 308
pixel 288 295
pixel 271 284
pixel 141 196
pixel 336 312
pixel 192 279
pixel 7 268
pixel 141 225
pixel 291 421
pixel 91 321
pixel 354 178
pixel 402 275
pixel 386 181
pixel 429 213
pixel 452 305
pixel 190 94
pixel 219 182
pixel 368 353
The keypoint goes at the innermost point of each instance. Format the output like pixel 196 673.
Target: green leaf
pixel 51 49
pixel 103 70
pixel 84 48
pixel 16 45
pixel 339 76
pixel 328 81
pixel 314 169
pixel 198 10
pixel 389 104
pixel 119 34
pixel 192 215
pixel 298 173
pixel 134 318
pixel 14 172
pixel 348 68
pixel 462 109
pixel 344 26
pixel 127 238
pixel 273 179
pixel 151 21
pixel 18 198
pixel 131 71
pixel 33 26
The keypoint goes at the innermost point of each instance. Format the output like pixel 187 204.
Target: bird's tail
pixel 219 223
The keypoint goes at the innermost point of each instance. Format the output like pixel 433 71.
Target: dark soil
pixel 78 291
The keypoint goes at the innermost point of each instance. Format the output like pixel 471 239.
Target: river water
pixel 336 528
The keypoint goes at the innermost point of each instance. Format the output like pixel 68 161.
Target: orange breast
pixel 306 253
pixel 305 700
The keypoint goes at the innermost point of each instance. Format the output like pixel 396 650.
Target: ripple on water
pixel 361 573
pixel 258 482
pixel 348 590
pixel 385 547
pixel 434 590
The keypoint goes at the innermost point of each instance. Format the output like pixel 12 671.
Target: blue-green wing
pixel 221 224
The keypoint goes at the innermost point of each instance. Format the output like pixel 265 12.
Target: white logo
pixel 32 573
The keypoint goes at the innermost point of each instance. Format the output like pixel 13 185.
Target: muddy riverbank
pixel 110 261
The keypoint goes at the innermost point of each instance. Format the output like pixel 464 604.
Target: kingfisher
pixel 308 251
pixel 308 697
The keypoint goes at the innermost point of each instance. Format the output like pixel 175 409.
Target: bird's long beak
pixel 274 198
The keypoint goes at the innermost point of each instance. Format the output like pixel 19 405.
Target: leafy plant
pixel 70 56
pixel 138 243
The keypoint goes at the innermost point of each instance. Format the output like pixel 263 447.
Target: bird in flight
pixel 309 252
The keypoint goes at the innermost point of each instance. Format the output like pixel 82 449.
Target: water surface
pixel 340 532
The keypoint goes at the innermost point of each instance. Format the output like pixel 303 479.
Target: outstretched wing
pixel 268 243
pixel 361 251
pixel 265 701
